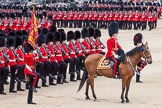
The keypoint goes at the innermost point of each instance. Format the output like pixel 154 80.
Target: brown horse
pixel 126 72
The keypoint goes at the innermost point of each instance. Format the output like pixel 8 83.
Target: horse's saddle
pixel 105 63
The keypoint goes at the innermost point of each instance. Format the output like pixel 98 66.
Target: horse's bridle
pixel 146 57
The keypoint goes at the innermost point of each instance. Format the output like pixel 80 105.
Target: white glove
pixel 116 56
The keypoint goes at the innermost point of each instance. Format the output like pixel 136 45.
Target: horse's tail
pixel 83 80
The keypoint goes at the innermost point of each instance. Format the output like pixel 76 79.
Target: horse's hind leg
pixel 92 87
pixel 87 88
pixel 127 89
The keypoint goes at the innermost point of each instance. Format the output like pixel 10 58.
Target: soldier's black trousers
pixel 13 76
pixel 62 71
pixel 3 75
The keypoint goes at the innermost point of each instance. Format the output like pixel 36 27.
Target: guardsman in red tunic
pixel 3 70
pixel 20 59
pixel 150 18
pixel 144 18
pixel 113 46
pixel 12 64
pixel 91 41
pixel 29 71
pixel 130 18
pixel 138 42
pixel 99 44
pixel 80 54
pixel 85 34
pixel 66 56
pixel 11 24
pixel 5 22
pixel 59 54
pixel 155 18
pixel 52 51
pixel 45 58
pixel 73 53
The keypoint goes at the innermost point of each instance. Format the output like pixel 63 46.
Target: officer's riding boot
pixel 138 79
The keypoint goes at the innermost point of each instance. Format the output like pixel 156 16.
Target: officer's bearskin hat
pixel 18 41
pixel 113 28
pixel 49 37
pixel 41 39
pixel 57 36
pixel 10 41
pixel 18 33
pixel 53 29
pixel 77 34
pixel 28 47
pixel 44 31
pixel 137 38
pixel 97 33
pixel 63 36
pixel 85 32
pixel 70 35
pixel 2 41
pixel 91 31
pixel 11 33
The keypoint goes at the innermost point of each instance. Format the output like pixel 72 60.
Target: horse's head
pixel 146 53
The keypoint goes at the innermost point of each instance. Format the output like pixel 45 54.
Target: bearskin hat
pixel 12 15
pixel 91 31
pixel 97 33
pixel 24 32
pixel 113 28
pixel 85 32
pixel 44 31
pixel 10 41
pixel 77 34
pixel 63 36
pixel 2 34
pixel 53 29
pixel 28 47
pixel 50 17
pixel 57 36
pixel 41 39
pixel 137 38
pixel 70 35
pixel 18 41
pixel 49 37
pixel 18 33
pixel 2 41
pixel 11 33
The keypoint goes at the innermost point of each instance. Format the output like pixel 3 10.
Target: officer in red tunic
pixel 52 52
pixel 85 34
pixel 99 44
pixel 73 53
pixel 29 71
pixel 59 57
pixel 3 70
pixel 113 46
pixel 13 64
pixel 138 42
pixel 80 54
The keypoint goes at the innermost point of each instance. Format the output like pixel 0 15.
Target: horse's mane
pixel 131 52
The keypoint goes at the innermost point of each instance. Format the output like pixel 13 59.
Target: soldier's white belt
pixel 59 55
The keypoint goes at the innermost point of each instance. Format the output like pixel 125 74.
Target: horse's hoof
pixel 95 99
pixel 127 101
pixel 87 98
pixel 123 101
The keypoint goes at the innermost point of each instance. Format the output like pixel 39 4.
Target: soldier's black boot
pixel 138 79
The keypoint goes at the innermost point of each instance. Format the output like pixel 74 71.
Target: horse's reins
pixel 132 65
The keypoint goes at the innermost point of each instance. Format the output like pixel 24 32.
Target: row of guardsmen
pixel 126 14
pixel 51 57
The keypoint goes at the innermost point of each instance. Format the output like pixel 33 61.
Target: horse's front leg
pixel 87 88
pixel 127 89
pixel 123 89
